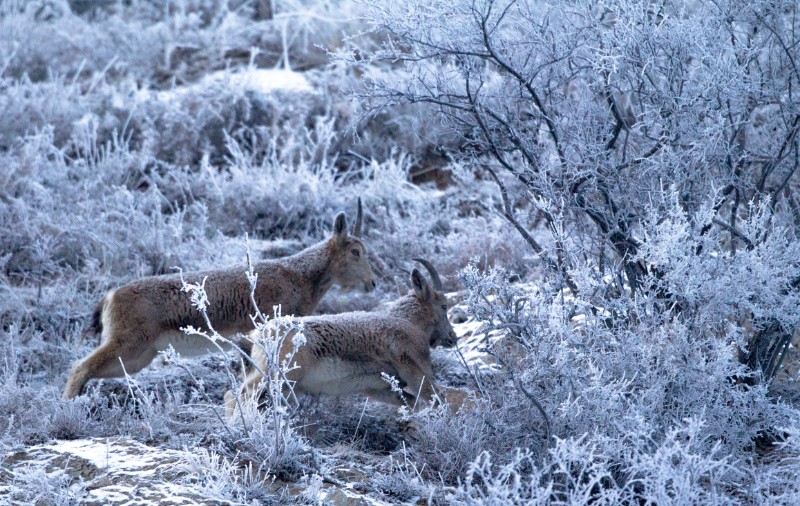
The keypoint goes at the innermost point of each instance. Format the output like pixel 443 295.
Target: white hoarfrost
pixel 118 471
pixel 119 455
pixel 122 471
pixel 473 338
pixel 249 80
pixel 260 83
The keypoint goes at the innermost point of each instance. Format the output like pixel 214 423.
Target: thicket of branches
pixel 617 117
pixel 647 153
pixel 616 122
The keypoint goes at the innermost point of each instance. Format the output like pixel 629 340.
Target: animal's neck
pixel 408 308
pixel 313 264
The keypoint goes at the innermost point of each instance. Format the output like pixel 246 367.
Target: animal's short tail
pixel 95 328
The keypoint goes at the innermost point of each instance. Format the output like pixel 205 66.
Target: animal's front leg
pixel 387 396
pixel 418 379
pixel 249 388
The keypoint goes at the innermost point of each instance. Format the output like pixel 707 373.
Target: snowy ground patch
pixel 249 80
pixel 114 471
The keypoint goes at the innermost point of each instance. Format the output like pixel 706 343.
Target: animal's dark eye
pixel 444 306
pixel 355 252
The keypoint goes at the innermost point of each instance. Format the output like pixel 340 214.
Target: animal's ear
pixel 420 285
pixel 340 226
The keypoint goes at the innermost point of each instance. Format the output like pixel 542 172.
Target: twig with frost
pixel 171 356
pixel 199 299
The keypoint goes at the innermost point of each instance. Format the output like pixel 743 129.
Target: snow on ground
pixel 117 456
pixel 252 80
pixel 122 471
pixel 114 471
pixel 473 338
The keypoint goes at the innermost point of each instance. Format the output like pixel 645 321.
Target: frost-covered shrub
pixel 627 378
pixel 736 294
pixel 35 486
pixel 404 482
pixel 42 38
pixel 266 110
pixel 54 106
pixel 445 444
pixel 580 471
pixel 583 107
pixel 773 481
pixel 681 469
pixel 31 413
pixel 259 431
pixel 153 42
pixel 404 129
pixel 269 442
pixel 642 158
pixel 77 213
pixel 21 409
pixel 222 479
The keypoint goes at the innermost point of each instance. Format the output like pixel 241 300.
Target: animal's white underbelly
pixel 189 345
pixel 332 376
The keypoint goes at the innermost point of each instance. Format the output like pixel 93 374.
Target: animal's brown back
pixel 161 302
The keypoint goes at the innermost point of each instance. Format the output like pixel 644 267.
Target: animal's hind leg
pixel 249 388
pixel 246 347
pixel 229 401
pixel 104 362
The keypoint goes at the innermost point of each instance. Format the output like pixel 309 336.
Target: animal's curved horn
pixel 357 226
pixel 437 282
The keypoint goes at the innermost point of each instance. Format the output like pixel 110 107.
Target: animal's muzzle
pixel 369 285
pixel 452 339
